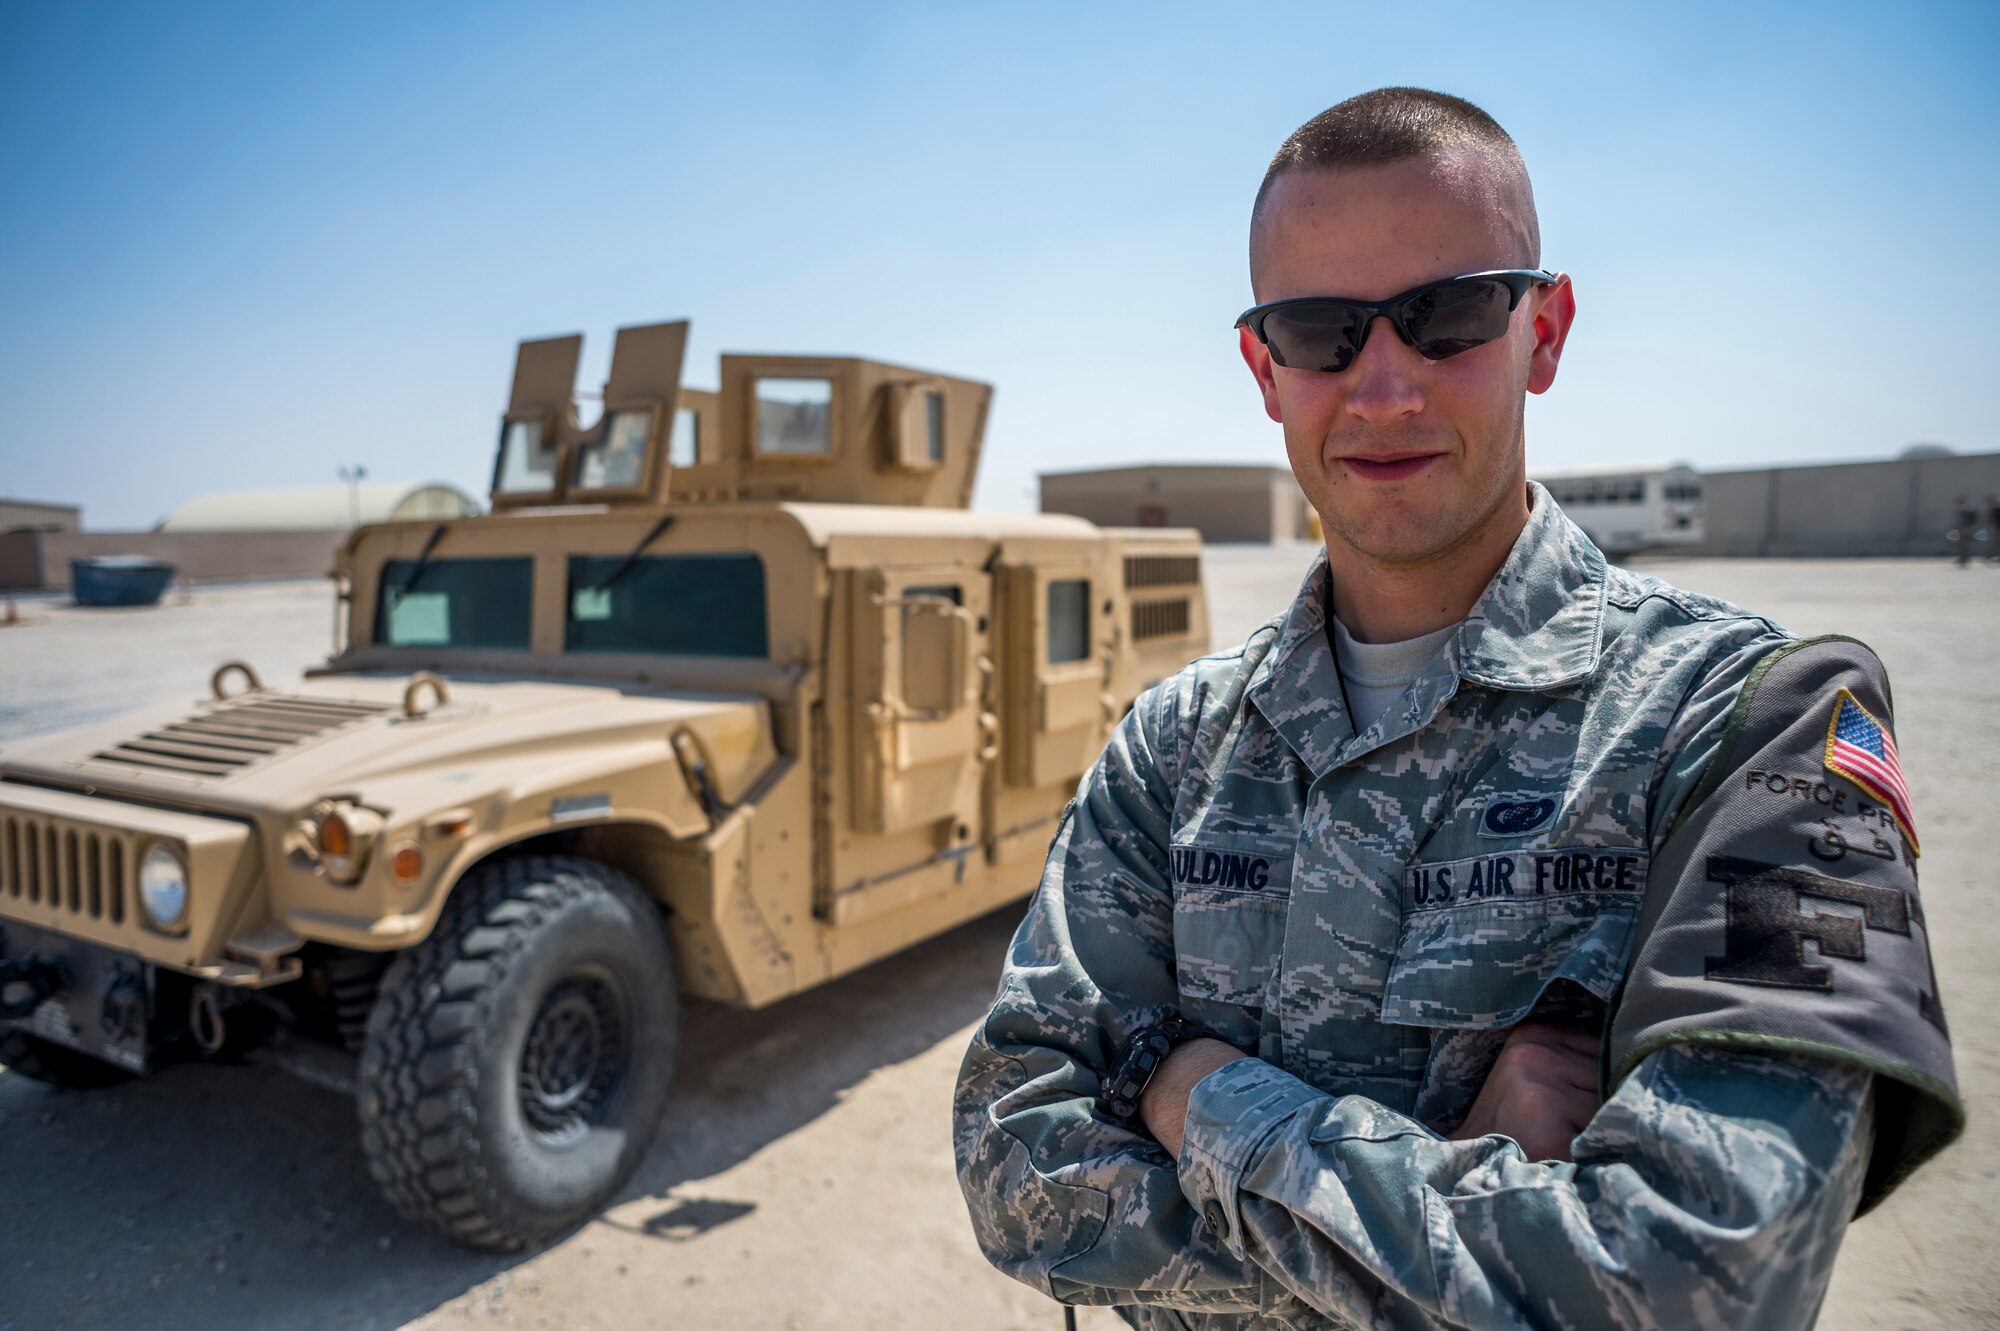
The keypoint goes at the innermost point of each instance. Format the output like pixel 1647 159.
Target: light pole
pixel 353 475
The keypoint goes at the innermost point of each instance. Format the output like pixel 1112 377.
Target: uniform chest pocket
pixel 1475 956
pixel 1226 944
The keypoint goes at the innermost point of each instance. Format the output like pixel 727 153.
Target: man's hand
pixel 1163 1104
pixel 1541 1092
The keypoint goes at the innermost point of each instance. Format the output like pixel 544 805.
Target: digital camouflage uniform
pixel 1605 802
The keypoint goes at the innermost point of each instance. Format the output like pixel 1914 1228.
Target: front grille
pixel 82 871
pixel 225 738
pixel 1161 570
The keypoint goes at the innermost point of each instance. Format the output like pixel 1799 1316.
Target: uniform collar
pixel 1540 622
pixel 1538 625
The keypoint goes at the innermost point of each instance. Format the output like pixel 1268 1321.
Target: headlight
pixel 163 887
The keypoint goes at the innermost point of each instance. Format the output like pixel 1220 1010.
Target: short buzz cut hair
pixel 1395 125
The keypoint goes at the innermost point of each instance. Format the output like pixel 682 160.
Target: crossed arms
pixel 1711 1188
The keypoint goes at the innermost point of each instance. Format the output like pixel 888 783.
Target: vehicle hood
pixel 351 735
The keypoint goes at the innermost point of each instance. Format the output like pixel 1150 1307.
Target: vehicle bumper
pixel 76 995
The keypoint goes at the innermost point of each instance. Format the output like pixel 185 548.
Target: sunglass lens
pixel 1314 335
pixel 1458 316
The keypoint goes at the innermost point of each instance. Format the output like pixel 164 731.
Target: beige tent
pixel 321 508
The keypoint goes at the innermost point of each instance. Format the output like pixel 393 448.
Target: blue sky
pixel 240 245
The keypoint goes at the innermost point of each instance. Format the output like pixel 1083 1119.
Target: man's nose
pixel 1383 383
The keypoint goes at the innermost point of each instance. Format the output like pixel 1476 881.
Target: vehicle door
pixel 922 725
pixel 1055 662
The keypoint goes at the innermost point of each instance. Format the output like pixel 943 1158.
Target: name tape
pixel 1231 870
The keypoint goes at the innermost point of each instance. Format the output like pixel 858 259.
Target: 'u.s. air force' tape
pixel 1228 869
pixel 1523 875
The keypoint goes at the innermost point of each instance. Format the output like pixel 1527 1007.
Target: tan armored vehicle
pixel 729 695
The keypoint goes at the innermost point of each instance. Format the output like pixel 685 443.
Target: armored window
pixel 1069 620
pixel 616 458
pixel 667 605
pixel 685 449
pixel 934 425
pixel 795 416
pixel 482 603
pixel 527 459
pixel 927 651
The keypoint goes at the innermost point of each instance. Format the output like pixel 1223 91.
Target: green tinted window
pixel 674 605
pixel 1069 620
pixel 455 603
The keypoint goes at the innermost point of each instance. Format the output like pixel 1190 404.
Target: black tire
pixel 37 1059
pixel 487 1136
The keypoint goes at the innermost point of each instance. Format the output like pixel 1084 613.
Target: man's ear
pixel 1555 311
pixel 1258 357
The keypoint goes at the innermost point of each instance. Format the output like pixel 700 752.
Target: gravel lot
pixel 803 1177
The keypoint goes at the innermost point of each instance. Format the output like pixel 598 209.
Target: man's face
pixel 1407 460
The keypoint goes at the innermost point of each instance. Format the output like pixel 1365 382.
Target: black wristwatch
pixel 1147 1049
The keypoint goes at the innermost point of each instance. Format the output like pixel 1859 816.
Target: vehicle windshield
pixel 678 605
pixel 455 603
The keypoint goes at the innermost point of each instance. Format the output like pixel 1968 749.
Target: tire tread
pixel 419 1070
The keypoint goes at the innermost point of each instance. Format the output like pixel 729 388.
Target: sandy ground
pixel 803 1176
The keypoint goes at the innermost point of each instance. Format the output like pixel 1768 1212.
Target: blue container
pixel 119 580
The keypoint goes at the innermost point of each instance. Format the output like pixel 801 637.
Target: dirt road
pixel 803 1177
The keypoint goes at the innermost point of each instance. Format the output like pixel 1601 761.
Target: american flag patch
pixel 1859 748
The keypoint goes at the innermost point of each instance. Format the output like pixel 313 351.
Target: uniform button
pixel 1213 1220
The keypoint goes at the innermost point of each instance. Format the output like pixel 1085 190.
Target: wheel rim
pixel 574 1058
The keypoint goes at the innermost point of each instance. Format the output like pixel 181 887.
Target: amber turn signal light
pixel 407 864
pixel 336 838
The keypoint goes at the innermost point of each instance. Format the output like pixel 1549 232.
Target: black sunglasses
pixel 1439 319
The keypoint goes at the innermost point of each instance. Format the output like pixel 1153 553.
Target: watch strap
pixel 1133 1072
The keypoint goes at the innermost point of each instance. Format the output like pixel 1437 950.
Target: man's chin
pixel 1415 539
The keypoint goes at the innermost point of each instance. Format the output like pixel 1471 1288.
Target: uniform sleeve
pixel 1081 1207
pixel 1711 1190
pixel 1784 914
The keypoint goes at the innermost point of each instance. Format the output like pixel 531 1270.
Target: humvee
pixel 728 695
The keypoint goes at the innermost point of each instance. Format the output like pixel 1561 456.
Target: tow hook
pixel 205 1020
pixel 25 983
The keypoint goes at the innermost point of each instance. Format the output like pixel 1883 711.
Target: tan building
pixel 1905 505
pixel 34 515
pixel 225 537
pixel 1225 502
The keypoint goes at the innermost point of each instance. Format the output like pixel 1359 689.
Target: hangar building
pixel 1225 502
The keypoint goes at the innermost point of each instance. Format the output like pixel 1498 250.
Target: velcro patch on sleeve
pixel 1861 749
pixel 1784 914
